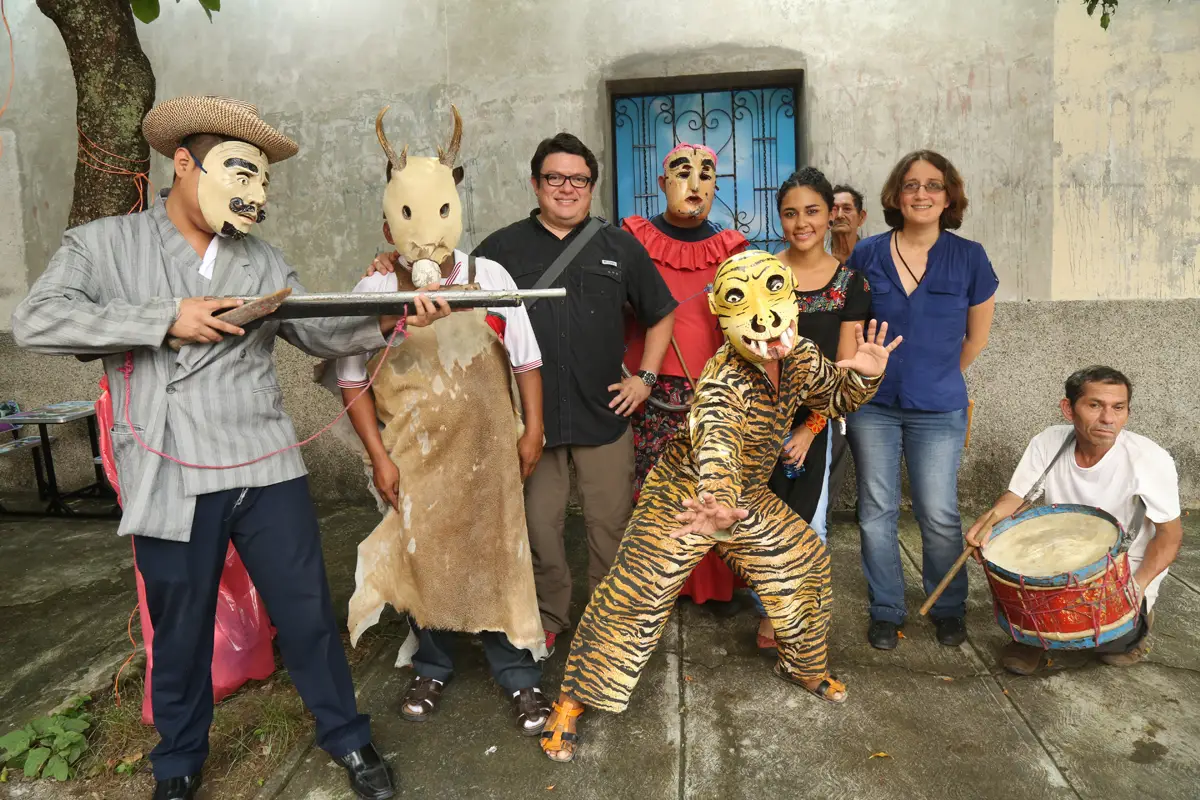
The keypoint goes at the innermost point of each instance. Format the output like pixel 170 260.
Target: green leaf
pixel 1104 21
pixel 57 768
pixel 14 743
pixel 33 763
pixel 77 703
pixel 42 725
pixel 76 752
pixel 77 725
pixel 65 741
pixel 4 775
pixel 145 10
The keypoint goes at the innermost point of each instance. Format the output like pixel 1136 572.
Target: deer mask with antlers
pixel 421 203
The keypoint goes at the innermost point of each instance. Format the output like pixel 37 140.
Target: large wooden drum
pixel 1060 578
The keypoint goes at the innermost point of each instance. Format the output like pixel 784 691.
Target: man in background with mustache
pixel 845 224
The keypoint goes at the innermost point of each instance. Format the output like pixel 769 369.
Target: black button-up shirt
pixel 582 337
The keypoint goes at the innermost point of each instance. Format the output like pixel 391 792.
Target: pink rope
pixel 127 370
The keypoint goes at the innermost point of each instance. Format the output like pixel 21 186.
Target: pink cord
pixel 127 370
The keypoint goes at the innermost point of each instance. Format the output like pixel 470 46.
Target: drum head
pixel 1051 543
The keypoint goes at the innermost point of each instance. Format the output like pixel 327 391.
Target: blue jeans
pixel 932 443
pixel 820 516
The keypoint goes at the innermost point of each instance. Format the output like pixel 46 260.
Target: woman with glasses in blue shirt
pixel 937 290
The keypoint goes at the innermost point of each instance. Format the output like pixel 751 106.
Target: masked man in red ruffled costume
pixel 687 249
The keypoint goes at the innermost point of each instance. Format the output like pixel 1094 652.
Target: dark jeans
pixel 931 443
pixel 512 667
pixel 274 529
pixel 1132 639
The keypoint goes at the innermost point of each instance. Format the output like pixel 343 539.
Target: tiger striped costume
pixel 738 422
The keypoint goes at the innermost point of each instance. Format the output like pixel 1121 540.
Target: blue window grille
pixel 753 132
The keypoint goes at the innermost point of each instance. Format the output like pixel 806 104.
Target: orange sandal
pixel 560 734
pixel 828 686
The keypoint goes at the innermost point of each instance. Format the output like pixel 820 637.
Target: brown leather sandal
pixel 1021 659
pixel 825 690
pixel 562 736
pixel 423 694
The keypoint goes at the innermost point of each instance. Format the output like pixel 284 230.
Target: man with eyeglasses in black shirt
pixel 586 403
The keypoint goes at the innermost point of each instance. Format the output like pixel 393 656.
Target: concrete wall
pixel 1127 154
pixel 1071 199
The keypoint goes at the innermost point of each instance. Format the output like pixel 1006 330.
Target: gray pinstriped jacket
pixel 111 288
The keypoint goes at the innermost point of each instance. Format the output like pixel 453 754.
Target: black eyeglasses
pixel 578 181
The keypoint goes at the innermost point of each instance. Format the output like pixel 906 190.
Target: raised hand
pixel 704 515
pixel 871 357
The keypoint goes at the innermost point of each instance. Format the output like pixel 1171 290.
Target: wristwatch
pixel 648 377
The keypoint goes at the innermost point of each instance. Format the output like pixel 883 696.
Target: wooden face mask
pixel 689 181
pixel 753 299
pixel 423 210
pixel 421 201
pixel 232 190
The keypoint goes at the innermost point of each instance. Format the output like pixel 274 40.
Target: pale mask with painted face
pixel 689 181
pixel 753 299
pixel 423 210
pixel 232 190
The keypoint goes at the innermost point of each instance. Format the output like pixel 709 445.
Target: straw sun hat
pixel 169 122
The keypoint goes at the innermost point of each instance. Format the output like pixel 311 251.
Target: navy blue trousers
pixel 513 668
pixel 274 529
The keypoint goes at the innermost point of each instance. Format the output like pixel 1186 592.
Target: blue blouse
pixel 922 373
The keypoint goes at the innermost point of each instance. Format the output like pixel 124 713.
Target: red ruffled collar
pixel 684 256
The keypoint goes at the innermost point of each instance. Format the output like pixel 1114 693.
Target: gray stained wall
pixel 1081 151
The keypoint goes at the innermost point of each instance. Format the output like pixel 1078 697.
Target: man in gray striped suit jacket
pixel 126 284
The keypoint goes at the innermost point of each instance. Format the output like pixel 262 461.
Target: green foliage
pixel 48 747
pixel 147 10
pixel 1107 9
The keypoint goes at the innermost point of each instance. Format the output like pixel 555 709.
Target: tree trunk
pixel 114 87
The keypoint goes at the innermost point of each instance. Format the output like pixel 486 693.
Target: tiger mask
pixel 753 299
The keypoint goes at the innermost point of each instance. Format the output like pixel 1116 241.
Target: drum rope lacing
pixel 1039 605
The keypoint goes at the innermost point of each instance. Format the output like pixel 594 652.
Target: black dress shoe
pixel 951 631
pixel 370 777
pixel 177 788
pixel 883 635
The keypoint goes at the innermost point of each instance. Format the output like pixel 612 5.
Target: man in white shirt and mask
pixel 1108 468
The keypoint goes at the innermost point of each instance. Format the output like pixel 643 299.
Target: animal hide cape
pixel 455 556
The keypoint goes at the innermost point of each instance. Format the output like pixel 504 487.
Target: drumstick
pixel 255 309
pixel 1026 502
pixel 970 411
pixel 962 559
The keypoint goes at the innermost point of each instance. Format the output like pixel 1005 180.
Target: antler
pixel 398 162
pixel 450 155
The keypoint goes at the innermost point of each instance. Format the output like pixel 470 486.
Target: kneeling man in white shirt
pixel 1108 468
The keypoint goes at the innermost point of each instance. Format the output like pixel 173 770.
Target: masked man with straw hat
pixel 123 286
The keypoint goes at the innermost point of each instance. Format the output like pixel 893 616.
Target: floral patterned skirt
pixel 653 427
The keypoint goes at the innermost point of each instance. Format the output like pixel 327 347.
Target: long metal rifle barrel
pixel 373 304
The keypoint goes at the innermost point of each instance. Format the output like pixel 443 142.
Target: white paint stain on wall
pixel 1127 163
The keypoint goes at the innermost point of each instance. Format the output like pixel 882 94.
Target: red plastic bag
pixel 242 635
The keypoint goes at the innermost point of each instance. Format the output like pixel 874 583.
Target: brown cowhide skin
pixel 455 555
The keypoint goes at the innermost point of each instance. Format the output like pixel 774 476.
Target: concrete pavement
pixel 708 719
